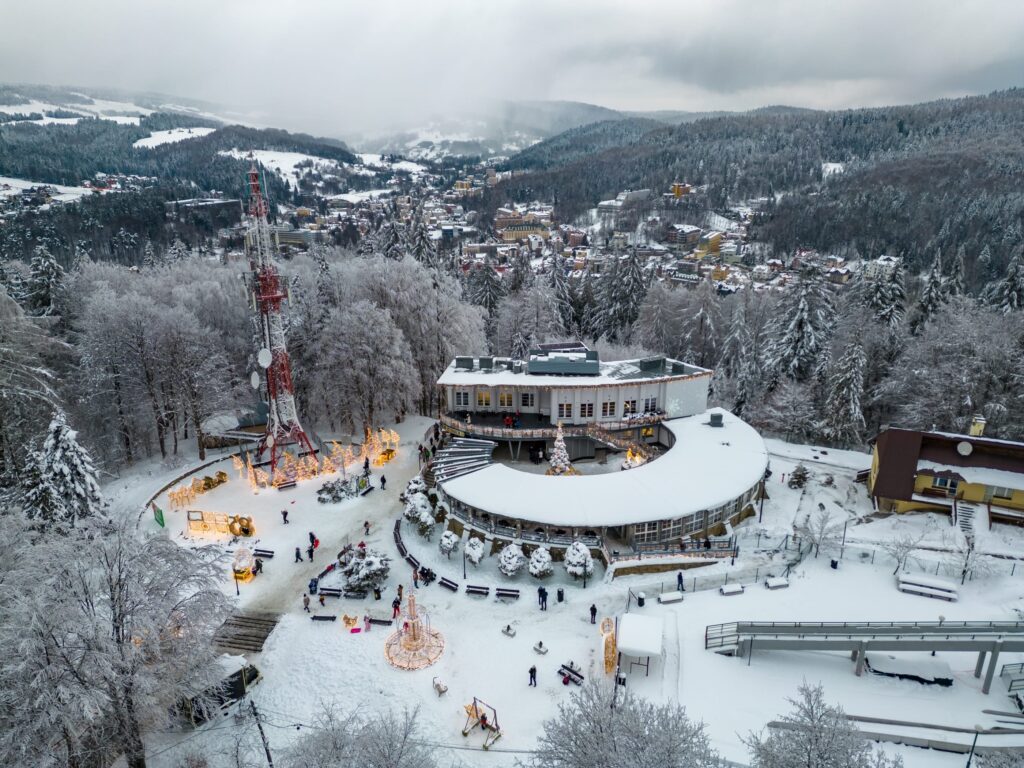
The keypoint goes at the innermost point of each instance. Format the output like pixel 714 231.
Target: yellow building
pixel 946 472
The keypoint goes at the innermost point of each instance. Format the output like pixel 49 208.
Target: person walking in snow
pixel 593 614
pixel 415 577
pixel 544 599
pixel 312 537
pixel 305 603
pixel 366 466
pixel 533 676
pixel 321 600
pixel 284 516
pixel 400 588
pixel 540 596
pixel 309 552
pixel 679 581
pixel 396 605
pixel 366 622
pixel 366 528
pixel 383 482
pixel 298 555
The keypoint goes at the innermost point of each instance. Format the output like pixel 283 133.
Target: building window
pixel 504 399
pixel 693 523
pixel 587 410
pixel 1001 493
pixel 462 398
pixel 608 408
pixel 628 407
pixel 672 529
pixel 645 532
pixel 565 410
pixel 947 484
pixel 483 398
pixel 526 400
pixel 650 404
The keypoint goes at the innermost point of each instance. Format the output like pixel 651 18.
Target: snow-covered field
pixel 116 111
pixel 11 186
pixel 285 164
pixel 172 136
pixel 309 665
pixel 377 161
pixel 358 197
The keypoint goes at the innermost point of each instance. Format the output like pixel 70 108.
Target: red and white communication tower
pixel 283 427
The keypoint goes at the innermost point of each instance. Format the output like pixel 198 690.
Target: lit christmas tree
pixel 559 458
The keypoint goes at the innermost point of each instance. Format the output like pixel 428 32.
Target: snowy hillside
pixel 172 136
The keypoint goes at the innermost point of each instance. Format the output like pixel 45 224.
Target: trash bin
pixel 835 565
pixel 620 680
pixel 313 585
pixel 376 593
pixel 561 595
pixel 640 598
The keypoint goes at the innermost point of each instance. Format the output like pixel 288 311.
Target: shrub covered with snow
pixel 540 563
pixel 449 543
pixel 511 559
pixel 364 568
pixel 433 497
pixel 417 505
pixel 416 485
pixel 798 478
pixel 475 550
pixel 334 491
pixel 578 560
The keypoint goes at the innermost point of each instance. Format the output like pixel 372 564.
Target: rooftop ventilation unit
pixel 486 363
pixel 649 364
pixel 716 420
pixel 464 363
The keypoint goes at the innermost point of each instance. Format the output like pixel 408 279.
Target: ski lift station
pixel 690 472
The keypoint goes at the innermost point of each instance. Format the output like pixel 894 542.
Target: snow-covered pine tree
pixel 737 341
pixel 933 294
pixel 66 492
pixel 955 283
pixel 42 286
pixel 474 550
pixel 148 254
pixel 511 559
pixel 620 293
pixel 421 246
pixel 364 568
pixel 586 312
pixel 984 265
pixel 449 543
pixel 485 287
pixel 893 311
pixel 390 240
pixel 178 251
pixel 520 277
pixel 559 458
pixel 540 563
pixel 803 322
pixel 578 560
pixel 1008 294
pixel 820 735
pixel 701 326
pixel 561 297
pixel 798 477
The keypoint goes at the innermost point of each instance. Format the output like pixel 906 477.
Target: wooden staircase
pixel 245 631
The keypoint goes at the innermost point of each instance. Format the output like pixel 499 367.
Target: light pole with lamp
pixel 463 563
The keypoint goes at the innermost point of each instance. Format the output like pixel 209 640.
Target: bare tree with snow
pixel 821 529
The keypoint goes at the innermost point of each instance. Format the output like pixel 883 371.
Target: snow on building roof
pixel 610 373
pixel 640 635
pixel 980 475
pixel 705 468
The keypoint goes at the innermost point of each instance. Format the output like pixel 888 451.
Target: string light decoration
pixel 414 645
pixel 243 564
pixel 559 459
pixel 610 646
pixel 240 467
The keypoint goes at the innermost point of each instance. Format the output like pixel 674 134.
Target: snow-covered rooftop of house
pixel 705 468
pixel 980 475
pixel 616 372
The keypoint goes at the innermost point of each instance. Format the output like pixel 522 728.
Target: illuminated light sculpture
pixel 610 646
pixel 240 467
pixel 559 458
pixel 414 645
pixel 635 456
pixel 269 295
pixel 243 564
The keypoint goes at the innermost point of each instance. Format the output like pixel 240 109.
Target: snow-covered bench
pixel 412 561
pixel 927 586
pixel 324 618
pixel 571 671
pixel 670 597
pixel 330 591
pixel 264 554
pixel 472 589
pixel 381 622
pixel 448 584
pixel 776 582
pixel 503 593
pixel 731 589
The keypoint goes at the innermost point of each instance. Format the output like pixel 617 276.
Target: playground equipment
pixel 477 715
pixel 610 648
pixel 414 645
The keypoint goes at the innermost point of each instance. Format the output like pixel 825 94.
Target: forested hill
pixel 68 154
pixel 917 177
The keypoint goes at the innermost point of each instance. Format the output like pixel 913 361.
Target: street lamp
pixel 977 730
pixel 463 563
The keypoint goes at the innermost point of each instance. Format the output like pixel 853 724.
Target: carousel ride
pixel 414 645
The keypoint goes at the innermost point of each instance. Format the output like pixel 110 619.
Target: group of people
pixel 314 543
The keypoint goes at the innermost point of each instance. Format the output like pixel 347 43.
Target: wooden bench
pixel 448 584
pixel 366 490
pixel 927 586
pixel 731 589
pixel 381 622
pixel 776 582
pixel 264 554
pixel 324 618
pixel 355 594
pixel 472 589
pixel 330 591
pixel 670 597
pixel 401 548
pixel 398 527
pixel 503 593
pixel 574 675
pixel 412 561
pixel 286 485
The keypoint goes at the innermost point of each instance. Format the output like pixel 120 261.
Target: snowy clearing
pixel 284 164
pixel 11 186
pixel 377 161
pixel 174 135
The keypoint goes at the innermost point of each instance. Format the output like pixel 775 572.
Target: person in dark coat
pixel 284 516
pixel 366 465
pixel 533 676
pixel 312 537
pixel 321 601
pixel 383 482
pixel 305 603
pixel 679 581
pixel 544 600
pixel 396 605
pixel 309 551
pixel 540 595
pixel 366 528
pixel 298 555
pixel 415 577
pixel 258 567
pixel 593 614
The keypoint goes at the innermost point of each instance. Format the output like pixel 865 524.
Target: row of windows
pixel 527 400
pixel 950 485
pixel 667 530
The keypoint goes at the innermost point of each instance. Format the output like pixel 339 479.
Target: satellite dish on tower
pixel 255 380
pixel 264 358
pixel 270 441
pixel 964 448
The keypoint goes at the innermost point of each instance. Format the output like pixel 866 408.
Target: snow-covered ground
pixel 172 136
pixel 11 186
pixel 358 197
pixel 105 109
pixel 828 169
pixel 309 665
pixel 377 161
pixel 285 164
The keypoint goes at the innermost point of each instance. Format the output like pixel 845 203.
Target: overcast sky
pixel 338 66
